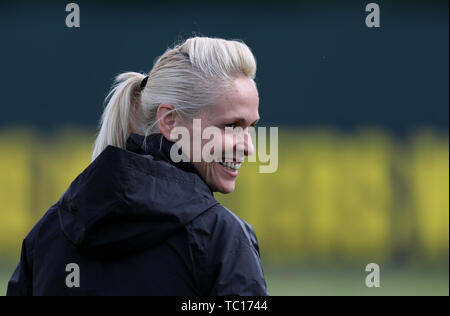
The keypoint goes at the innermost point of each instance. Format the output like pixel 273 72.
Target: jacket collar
pixel 159 147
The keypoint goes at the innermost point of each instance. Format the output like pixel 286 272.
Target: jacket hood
pixel 131 199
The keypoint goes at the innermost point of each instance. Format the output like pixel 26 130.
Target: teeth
pixel 231 165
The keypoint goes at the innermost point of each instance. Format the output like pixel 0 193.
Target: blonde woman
pixel 138 222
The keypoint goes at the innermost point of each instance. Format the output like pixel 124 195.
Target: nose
pixel 249 148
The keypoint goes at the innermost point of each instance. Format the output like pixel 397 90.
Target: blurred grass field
pixel 351 282
pixel 334 282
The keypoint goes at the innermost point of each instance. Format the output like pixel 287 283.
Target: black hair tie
pixel 144 83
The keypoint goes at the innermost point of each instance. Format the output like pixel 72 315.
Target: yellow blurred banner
pixel 349 198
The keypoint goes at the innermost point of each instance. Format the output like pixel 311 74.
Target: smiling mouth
pixel 232 166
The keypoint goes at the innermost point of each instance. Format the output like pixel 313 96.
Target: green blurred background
pixel 363 173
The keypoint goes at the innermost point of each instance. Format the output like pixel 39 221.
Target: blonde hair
pixel 189 76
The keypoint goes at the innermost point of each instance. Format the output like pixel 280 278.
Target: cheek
pixel 228 145
pixel 212 149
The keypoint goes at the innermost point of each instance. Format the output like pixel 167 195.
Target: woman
pixel 137 222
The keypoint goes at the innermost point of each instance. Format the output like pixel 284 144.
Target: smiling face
pixel 236 108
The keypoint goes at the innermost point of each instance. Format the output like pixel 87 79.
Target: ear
pixel 166 119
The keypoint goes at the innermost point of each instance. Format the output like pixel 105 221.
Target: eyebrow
pixel 242 120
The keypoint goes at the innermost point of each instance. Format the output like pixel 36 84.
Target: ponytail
pixel 115 121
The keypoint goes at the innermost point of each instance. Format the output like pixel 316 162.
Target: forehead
pixel 240 101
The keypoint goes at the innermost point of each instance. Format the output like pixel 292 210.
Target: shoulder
pixel 43 229
pixel 219 225
pixel 45 226
pixel 226 254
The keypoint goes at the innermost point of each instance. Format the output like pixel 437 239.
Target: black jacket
pixel 136 223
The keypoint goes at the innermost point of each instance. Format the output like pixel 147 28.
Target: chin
pixel 225 188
